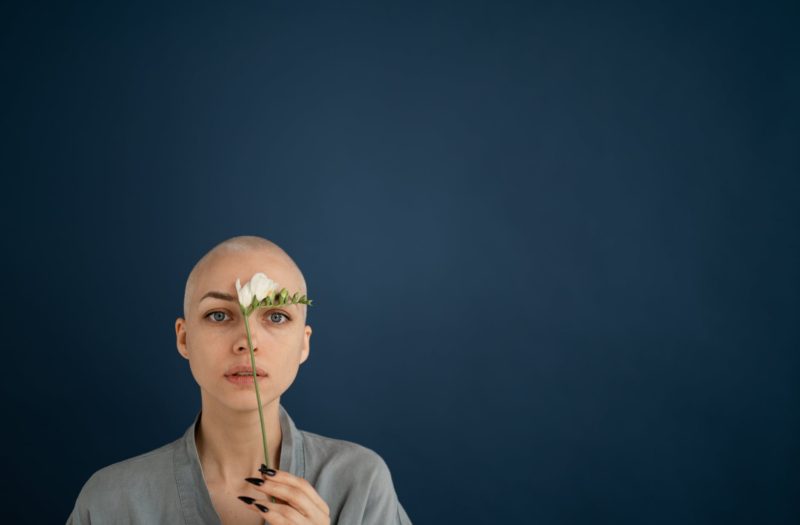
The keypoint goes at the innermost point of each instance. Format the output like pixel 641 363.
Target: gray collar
pixel 192 489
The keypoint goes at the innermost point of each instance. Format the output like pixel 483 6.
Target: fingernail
pixel 267 471
pixel 255 481
pixel 247 499
pixel 262 508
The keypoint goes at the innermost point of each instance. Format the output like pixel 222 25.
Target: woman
pixel 214 474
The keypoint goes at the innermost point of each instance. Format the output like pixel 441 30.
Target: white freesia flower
pixel 259 288
pixel 262 286
pixel 245 294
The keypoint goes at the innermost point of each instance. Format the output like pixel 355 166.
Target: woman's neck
pixel 229 444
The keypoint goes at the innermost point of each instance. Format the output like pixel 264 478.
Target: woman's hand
pixel 297 503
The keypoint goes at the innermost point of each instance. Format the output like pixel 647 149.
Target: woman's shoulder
pixel 355 478
pixel 340 452
pixel 119 485
pixel 345 461
pixel 128 470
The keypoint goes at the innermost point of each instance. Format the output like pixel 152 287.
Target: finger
pixel 258 482
pixel 294 497
pixel 278 514
pixel 281 476
pixel 299 483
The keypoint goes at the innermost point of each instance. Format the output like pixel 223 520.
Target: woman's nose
pixel 241 345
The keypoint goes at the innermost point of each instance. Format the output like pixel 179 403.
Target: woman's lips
pixel 243 380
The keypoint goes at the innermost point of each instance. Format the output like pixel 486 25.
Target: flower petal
pixel 245 294
pixel 262 286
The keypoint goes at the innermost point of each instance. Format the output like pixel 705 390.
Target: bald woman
pixel 214 473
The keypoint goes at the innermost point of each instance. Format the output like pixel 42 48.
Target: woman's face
pixel 213 338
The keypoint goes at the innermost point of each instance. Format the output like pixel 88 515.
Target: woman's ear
pixel 306 344
pixel 180 337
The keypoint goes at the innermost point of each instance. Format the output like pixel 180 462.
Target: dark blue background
pixel 553 246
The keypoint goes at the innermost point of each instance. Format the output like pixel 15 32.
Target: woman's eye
pixel 217 316
pixel 275 317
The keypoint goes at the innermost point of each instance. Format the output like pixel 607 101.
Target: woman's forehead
pixel 221 273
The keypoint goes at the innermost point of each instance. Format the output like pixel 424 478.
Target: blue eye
pixel 271 316
pixel 217 316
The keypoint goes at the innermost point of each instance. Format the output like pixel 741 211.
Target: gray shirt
pixel 166 485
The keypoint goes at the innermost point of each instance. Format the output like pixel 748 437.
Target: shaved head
pixel 245 244
pixel 214 334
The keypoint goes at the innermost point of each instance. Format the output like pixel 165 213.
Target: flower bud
pixel 245 294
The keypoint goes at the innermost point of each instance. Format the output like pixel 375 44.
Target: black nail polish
pixel 246 499
pixel 255 481
pixel 267 471
pixel 262 508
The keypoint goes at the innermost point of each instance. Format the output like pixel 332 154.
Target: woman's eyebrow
pixel 218 295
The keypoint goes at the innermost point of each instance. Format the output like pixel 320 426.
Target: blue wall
pixel 553 246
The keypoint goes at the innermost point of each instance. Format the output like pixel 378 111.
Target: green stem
pixel 258 396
